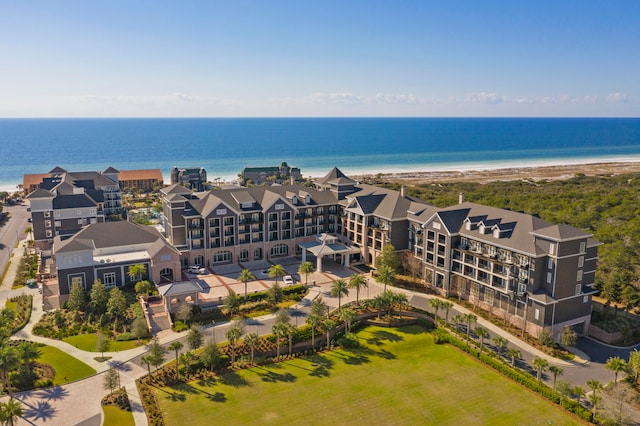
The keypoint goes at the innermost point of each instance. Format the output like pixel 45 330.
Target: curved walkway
pixel 79 402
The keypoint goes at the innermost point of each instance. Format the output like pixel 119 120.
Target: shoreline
pixel 533 173
pixel 555 169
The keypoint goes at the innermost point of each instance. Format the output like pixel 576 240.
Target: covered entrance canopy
pixel 181 292
pixel 326 245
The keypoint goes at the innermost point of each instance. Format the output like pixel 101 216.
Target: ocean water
pixel 223 146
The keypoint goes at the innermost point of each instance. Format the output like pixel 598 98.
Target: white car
pixel 196 269
pixel 288 280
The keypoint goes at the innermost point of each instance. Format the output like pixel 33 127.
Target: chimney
pixel 293 180
pixel 402 191
pixel 461 198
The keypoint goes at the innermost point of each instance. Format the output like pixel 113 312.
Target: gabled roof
pixel 72 244
pixel 73 201
pixel 57 170
pixel 175 189
pixel 40 193
pixel 179 288
pixel 111 170
pixel 335 176
pixel 561 232
pixel 114 234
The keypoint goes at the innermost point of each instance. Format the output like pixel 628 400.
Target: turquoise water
pixel 225 146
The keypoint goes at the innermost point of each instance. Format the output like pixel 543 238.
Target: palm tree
pixel 187 359
pixel 245 277
pixel 319 307
pixel 469 318
pixel 277 271
pixel 279 329
pixel 10 411
pixel 147 360
pixel 556 371
pixel 252 340
pixel 176 346
pixel 386 275
pixel 513 353
pixel 314 321
pixel 347 315
pixel 327 326
pixel 482 333
pixel 500 343
pixel 8 361
pixel 540 364
pixel 232 335
pixel 616 364
pixel 28 352
pixel 338 289
pixel 436 304
pixel 594 399
pixel 447 306
pixel 306 268
pixel 290 331
pixel 137 271
pixel 358 281
pixel 578 392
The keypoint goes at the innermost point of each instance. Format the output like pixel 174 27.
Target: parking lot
pixel 221 280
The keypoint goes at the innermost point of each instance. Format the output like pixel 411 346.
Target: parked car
pixel 288 280
pixel 194 269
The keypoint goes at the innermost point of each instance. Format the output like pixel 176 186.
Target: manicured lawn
pixel 399 376
pixel 67 367
pixel 87 342
pixel 114 416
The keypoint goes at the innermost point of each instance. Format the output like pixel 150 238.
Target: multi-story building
pixel 508 262
pixel 141 180
pixel 276 174
pixel 64 202
pixel 513 263
pixel 194 178
pixel 106 251
pixel 245 224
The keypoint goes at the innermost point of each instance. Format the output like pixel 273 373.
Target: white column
pixel 304 255
pixel 319 263
pixel 346 260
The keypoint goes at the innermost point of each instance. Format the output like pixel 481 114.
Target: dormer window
pixel 307 199
pixel 294 199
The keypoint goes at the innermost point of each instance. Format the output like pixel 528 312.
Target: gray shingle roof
pixel 114 234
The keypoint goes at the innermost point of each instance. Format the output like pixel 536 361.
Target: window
pixel 549 277
pixel 57 223
pixel 244 255
pixel 578 289
pixel 222 257
pixel 279 250
pixel 580 261
pixel 109 279
pixel 552 248
pixel 536 314
pixel 579 276
pixel 583 247
pixel 488 295
pixel 47 214
pixel 550 264
pixel 257 254
pixel 76 279
pixel 93 220
pixel 47 224
pixel 56 213
pixel 49 233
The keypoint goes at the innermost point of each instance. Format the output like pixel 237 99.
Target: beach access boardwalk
pixel 79 402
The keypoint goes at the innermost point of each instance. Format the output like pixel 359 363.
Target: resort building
pixel 106 251
pixel 140 180
pixel 194 178
pixel 66 202
pixel 535 274
pixel 270 175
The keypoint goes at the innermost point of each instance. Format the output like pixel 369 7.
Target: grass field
pixel 399 376
pixel 114 416
pixel 87 342
pixel 67 367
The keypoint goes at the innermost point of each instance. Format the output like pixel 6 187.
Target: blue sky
pixel 319 58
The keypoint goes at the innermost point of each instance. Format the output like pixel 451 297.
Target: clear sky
pixel 217 58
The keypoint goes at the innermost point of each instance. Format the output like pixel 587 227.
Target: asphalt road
pixel 12 232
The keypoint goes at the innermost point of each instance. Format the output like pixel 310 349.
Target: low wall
pixel 604 336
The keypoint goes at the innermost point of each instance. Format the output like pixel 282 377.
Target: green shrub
pixel 123 337
pixel 179 326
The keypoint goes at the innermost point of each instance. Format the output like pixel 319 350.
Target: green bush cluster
pixel 22 306
pixel 27 269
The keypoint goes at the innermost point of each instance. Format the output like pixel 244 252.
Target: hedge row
pixel 24 304
pixel 518 376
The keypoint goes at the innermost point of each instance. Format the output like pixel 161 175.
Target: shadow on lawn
pixel 233 379
pixel 270 376
pixel 321 366
pixel 378 337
